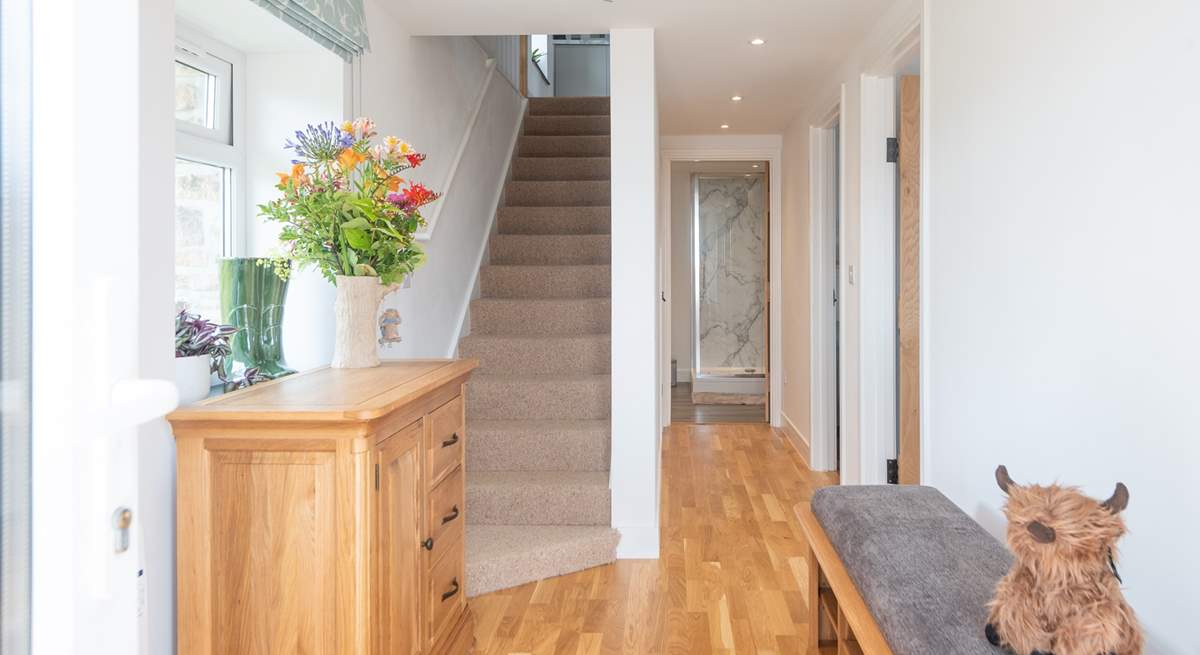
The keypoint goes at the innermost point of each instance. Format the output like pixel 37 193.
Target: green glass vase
pixel 252 299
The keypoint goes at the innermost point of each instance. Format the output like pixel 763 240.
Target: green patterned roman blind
pixel 340 25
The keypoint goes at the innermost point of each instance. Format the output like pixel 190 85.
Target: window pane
pixel 200 206
pixel 194 96
pixel 15 301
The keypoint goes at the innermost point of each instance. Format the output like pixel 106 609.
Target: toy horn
pixel 1002 478
pixel 1118 501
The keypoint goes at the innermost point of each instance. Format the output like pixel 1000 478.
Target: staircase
pixel 538 407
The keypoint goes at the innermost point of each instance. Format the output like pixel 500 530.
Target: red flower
pixel 416 195
pixel 415 159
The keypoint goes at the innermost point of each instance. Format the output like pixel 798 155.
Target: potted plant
pixel 200 350
pixel 346 211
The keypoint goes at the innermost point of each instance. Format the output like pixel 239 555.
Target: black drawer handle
pixel 453 590
pixel 451 516
pixel 451 441
pixel 427 544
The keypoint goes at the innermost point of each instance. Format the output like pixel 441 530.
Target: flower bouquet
pixel 347 211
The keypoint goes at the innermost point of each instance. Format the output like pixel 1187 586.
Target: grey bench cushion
pixel 924 568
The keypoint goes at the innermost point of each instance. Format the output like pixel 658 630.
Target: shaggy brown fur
pixel 1062 595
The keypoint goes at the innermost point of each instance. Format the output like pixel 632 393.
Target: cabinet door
pixel 397 543
pixel 272 554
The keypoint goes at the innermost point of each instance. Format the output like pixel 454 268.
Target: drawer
pixel 447 591
pixel 445 439
pixel 446 504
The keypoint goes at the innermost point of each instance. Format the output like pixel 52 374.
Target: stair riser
pixel 524 356
pixel 538 505
pixel 593 106
pixel 566 125
pixel 563 146
pixel 549 398
pixel 554 220
pixel 552 250
pixel 572 193
pixel 545 281
pixel 566 317
pixel 534 450
pixel 562 168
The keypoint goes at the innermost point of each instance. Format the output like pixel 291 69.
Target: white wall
pixel 1059 263
pixel 284 92
pixel 634 477
pixel 439 94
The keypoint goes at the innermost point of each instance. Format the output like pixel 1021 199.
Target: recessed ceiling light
pixel 753 165
pixel 724 126
pixel 736 98
pixel 757 42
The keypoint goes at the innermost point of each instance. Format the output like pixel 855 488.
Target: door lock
pixel 122 518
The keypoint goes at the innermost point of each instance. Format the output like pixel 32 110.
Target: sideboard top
pixel 330 394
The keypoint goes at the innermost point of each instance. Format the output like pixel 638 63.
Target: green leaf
pixel 357 238
pixel 360 223
pixel 364 269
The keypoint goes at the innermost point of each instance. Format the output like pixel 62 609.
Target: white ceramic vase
pixel 193 376
pixel 356 310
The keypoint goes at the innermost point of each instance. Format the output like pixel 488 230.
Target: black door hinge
pixel 893 150
pixel 376 477
pixel 893 471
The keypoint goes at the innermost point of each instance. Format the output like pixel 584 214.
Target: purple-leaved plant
pixel 198 336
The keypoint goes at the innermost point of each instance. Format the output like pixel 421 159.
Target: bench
pixel 897 570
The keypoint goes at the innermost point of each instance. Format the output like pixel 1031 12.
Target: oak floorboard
pixel 731 573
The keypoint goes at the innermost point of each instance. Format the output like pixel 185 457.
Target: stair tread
pixel 542 377
pixel 507 540
pixel 549 424
pixel 503 556
pixel 525 479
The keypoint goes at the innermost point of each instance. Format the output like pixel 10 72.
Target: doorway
pixel 720 282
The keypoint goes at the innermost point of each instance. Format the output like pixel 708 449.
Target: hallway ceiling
pixel 703 51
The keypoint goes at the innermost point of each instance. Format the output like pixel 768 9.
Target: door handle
pixel 453 590
pixel 427 544
pixel 451 441
pixel 451 516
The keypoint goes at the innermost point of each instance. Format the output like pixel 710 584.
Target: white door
pixel 89 168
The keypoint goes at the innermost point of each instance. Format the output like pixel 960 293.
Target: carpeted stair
pixel 539 406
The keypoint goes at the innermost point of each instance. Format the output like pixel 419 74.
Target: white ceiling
pixel 702 50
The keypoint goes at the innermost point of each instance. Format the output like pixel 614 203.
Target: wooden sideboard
pixel 323 513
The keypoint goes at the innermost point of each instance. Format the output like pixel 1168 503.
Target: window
pixel 208 166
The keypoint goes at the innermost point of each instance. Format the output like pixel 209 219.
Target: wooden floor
pixel 683 411
pixel 729 578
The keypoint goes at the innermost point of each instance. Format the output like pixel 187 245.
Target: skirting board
pixel 797 439
pixel 637 542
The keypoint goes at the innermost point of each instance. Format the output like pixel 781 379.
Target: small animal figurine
pixel 1063 593
pixel 389 327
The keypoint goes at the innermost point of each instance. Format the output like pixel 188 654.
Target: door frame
pixel 767 148
pixel 825 162
pixel 867 295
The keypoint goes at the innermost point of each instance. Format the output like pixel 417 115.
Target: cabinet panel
pixel 398 528
pixel 273 546
pixel 445 439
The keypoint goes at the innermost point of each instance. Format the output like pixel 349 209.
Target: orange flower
pixel 393 183
pixel 349 158
pixel 297 170
pixel 283 178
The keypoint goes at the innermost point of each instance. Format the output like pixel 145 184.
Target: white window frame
pixel 224 145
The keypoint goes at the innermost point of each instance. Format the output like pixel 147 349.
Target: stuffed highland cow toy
pixel 1063 594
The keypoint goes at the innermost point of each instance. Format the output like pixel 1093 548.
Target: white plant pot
pixel 356 312
pixel 193 376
